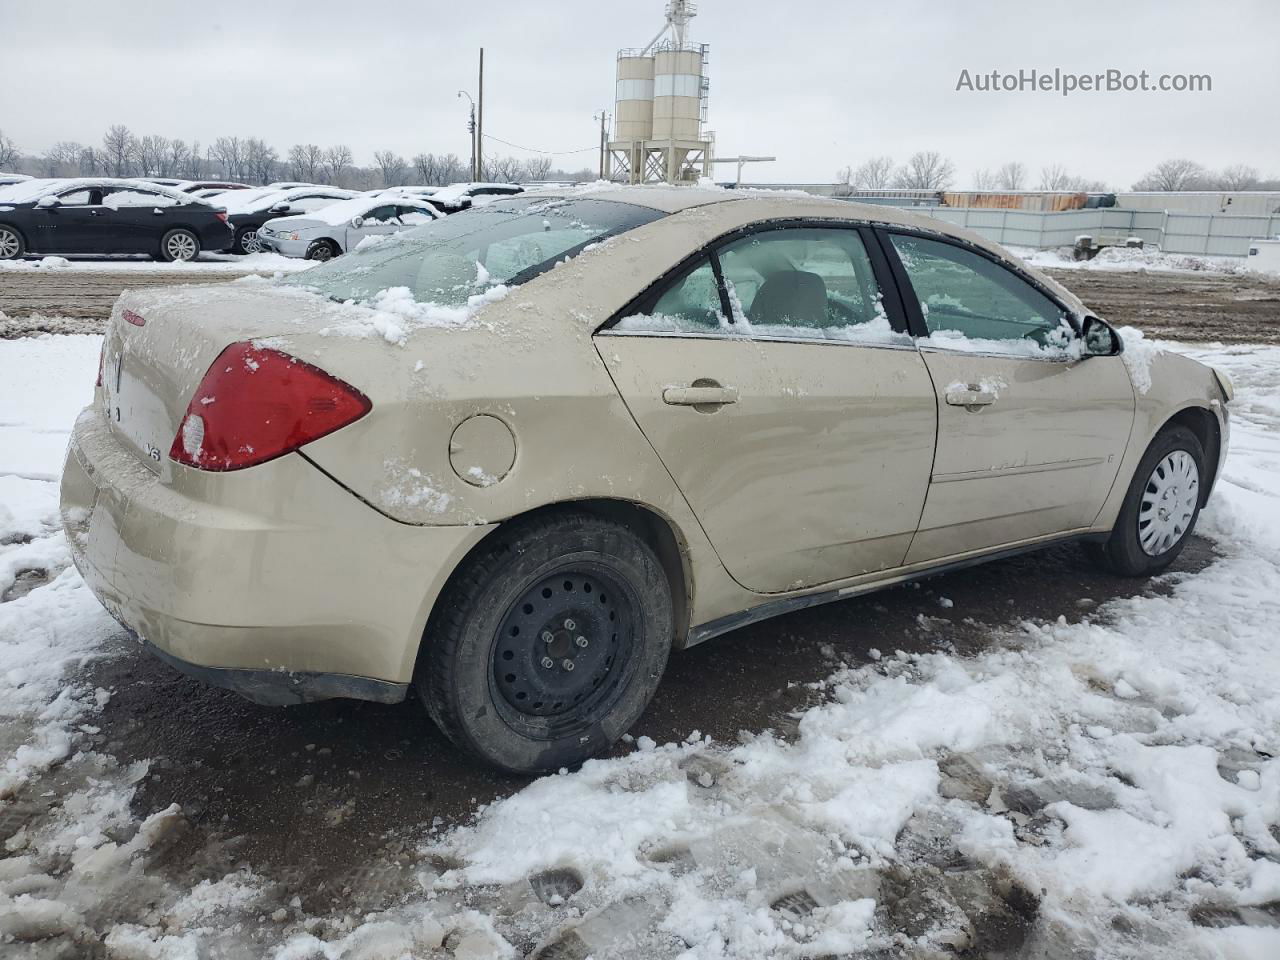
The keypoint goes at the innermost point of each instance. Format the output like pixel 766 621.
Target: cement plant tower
pixel 660 111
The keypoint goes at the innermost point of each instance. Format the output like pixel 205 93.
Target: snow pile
pixel 1129 259
pixel 44 383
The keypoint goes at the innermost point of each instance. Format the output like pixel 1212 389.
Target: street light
pixel 471 128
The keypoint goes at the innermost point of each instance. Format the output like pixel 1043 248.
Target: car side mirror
pixel 280 208
pixel 357 222
pixel 48 203
pixel 1100 338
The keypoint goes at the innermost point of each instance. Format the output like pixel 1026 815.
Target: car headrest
pixel 793 297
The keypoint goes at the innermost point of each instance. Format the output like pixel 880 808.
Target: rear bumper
pixel 273 581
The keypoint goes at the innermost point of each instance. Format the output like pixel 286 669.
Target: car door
pixel 140 218
pixel 78 224
pixel 1030 436
pixel 797 422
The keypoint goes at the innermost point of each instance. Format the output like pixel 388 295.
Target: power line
pixel 549 153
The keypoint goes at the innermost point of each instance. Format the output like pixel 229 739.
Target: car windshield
pixel 508 242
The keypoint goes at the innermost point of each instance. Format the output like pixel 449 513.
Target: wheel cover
pixel 581 620
pixel 1168 503
pixel 250 242
pixel 8 244
pixel 181 246
pixel 321 251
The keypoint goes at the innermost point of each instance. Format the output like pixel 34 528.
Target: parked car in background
pixel 108 216
pixel 461 196
pixel 337 228
pixel 549 460
pixel 406 191
pixel 196 186
pixel 250 209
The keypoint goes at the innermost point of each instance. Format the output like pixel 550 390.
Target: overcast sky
pixel 818 83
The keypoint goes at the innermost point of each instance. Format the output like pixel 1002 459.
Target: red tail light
pixel 256 404
pixel 221 215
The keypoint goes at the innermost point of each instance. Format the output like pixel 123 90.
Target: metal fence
pixel 1215 235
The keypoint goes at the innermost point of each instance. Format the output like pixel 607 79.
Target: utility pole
pixel 479 170
pixel 604 137
pixel 471 128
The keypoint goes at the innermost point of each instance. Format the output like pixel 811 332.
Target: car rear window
pixel 508 242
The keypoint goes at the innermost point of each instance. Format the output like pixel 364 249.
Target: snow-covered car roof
pixel 417 191
pixel 457 192
pixel 339 213
pixel 251 201
pixel 28 191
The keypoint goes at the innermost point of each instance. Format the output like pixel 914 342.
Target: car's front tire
pixel 179 244
pixel 247 241
pixel 12 246
pixel 322 250
pixel 1160 508
pixel 548 642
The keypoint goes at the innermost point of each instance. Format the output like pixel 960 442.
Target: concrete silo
pixel 660 107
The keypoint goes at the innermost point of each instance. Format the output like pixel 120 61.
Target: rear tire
pixel 323 250
pixel 1160 509
pixel 12 246
pixel 494 682
pixel 179 244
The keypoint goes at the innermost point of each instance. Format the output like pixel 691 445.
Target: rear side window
pixel 971 302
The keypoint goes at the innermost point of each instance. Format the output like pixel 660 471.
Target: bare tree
pixel 91 162
pixel 985 179
pixel 1238 177
pixel 337 160
pixel 1012 176
pixel 117 144
pixel 179 158
pixel 501 169
pixel 426 168
pixel 1177 174
pixel 1055 177
pixel 536 169
pixel 391 166
pixel 926 170
pixel 62 159
pixel 8 152
pixel 452 169
pixel 196 162
pixel 306 161
pixel 260 160
pixel 874 174
pixel 151 155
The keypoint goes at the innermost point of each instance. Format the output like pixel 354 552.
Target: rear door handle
pixel 698 396
pixel 959 397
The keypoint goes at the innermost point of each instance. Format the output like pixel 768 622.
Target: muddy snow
pixel 1106 787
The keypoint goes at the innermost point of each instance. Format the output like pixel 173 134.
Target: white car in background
pixel 248 210
pixel 339 227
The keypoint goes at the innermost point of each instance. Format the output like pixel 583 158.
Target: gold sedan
pixel 515 457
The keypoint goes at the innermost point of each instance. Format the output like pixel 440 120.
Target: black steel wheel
pixel 548 642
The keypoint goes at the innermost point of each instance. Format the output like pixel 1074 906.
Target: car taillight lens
pixel 255 404
pixel 221 216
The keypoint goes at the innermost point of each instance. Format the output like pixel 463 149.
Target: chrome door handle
pixel 698 396
pixel 970 398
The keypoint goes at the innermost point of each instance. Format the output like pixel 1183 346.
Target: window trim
pixel 910 301
pixel 890 296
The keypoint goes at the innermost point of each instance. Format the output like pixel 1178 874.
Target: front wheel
pixel 247 241
pixel 1161 507
pixel 11 245
pixel 322 250
pixel 548 643
pixel 180 244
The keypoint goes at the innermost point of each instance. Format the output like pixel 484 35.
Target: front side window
pixel 448 261
pixel 690 304
pixel 81 198
pixel 970 302
pixel 380 215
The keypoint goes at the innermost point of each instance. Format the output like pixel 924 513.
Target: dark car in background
pixel 248 210
pixel 108 216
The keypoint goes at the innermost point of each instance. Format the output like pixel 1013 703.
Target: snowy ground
pixel 1125 259
pixel 204 263
pixel 1105 788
